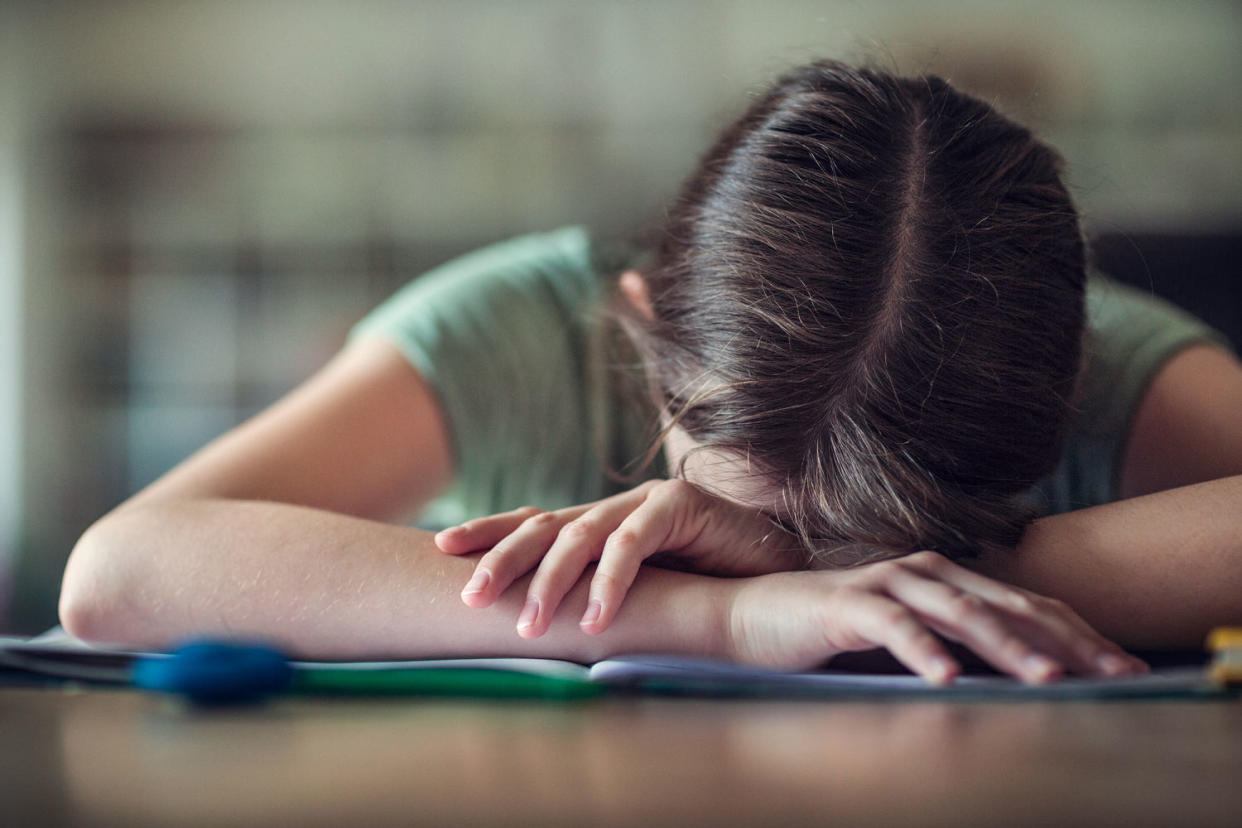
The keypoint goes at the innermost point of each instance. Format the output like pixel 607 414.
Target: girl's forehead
pixel 725 474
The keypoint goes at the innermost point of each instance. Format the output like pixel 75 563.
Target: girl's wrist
pixel 732 641
pixel 704 615
pixel 669 612
pixel 723 638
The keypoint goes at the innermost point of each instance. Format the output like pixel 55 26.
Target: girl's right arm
pixel 326 585
pixel 281 529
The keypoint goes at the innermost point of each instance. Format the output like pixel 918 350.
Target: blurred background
pixel 197 199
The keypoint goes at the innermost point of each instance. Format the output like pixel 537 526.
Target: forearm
pixel 1151 572
pixel 326 585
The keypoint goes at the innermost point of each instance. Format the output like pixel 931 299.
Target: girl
pixel 860 336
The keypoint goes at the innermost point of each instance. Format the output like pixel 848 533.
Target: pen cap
pixel 212 672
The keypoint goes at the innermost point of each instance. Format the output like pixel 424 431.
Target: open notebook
pixel 57 654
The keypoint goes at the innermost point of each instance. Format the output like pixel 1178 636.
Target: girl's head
pixel 868 302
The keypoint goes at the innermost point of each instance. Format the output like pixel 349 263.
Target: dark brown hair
pixel 872 287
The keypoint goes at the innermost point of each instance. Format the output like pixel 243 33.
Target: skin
pixel 284 528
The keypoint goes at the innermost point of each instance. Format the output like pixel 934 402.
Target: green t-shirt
pixel 509 339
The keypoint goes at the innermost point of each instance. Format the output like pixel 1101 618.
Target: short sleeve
pixel 504 337
pixel 1131 334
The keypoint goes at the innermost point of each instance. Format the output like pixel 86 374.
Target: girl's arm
pixel 1162 567
pixel 324 585
pixel 275 531
pixel 362 438
pixel 327 585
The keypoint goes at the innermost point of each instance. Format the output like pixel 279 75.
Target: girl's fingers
pixel 642 533
pixel 1059 631
pixel 937 567
pixel 1090 652
pixel 967 618
pixel 511 558
pixel 882 622
pixel 579 542
pixel 482 533
pixel 618 567
pixel 1062 631
pixel 1059 639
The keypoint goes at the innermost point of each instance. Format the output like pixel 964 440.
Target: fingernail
pixel 942 670
pixel 593 611
pixel 477 583
pixel 1112 664
pixel 1041 665
pixel 530 612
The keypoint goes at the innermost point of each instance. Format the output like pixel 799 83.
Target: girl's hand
pixel 660 516
pixel 801 619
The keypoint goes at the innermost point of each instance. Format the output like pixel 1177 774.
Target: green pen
pixel 441 681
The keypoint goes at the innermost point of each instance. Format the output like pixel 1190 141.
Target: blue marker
pixel 214 672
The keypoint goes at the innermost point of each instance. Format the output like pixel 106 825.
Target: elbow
pixel 77 618
pixel 91 605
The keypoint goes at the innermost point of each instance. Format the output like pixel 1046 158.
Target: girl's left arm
pixel 1159 568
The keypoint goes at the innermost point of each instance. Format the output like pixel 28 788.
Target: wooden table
pixel 104 757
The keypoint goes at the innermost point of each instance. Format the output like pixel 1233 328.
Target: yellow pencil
pixel 1224 638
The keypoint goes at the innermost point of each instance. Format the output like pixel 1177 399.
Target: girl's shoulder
pixel 1131 334
pixel 506 337
pixel 555 266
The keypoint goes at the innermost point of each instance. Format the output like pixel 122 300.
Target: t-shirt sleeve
pixel 502 337
pixel 1131 334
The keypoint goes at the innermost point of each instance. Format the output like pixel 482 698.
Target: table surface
pixel 114 757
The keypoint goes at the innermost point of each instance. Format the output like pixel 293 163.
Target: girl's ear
pixel 634 286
